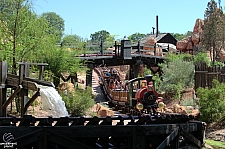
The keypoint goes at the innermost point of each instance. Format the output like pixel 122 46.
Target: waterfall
pixel 52 102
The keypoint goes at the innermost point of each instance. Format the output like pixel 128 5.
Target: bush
pixel 212 102
pixel 78 103
pixel 177 75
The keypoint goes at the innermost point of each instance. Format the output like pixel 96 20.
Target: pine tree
pixel 213 30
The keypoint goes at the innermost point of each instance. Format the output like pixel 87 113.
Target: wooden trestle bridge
pixel 126 53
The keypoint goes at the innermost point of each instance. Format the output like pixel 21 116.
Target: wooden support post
pixel 89 75
pixel 136 70
pixel 41 73
pixel 3 89
pixel 155 49
pixel 101 46
pixel 131 72
pixel 115 49
pixel 139 48
pixel 23 72
pixel 3 92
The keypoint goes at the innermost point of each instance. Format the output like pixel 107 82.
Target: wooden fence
pixel 204 75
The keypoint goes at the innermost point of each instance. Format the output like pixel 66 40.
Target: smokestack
pixel 157 27
pixel 153 30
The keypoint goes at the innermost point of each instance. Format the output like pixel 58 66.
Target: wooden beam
pixel 28 138
pixel 31 100
pixel 27 83
pixel 168 139
pixel 60 139
pixel 30 85
pixel 40 82
pixel 191 138
pixel 13 95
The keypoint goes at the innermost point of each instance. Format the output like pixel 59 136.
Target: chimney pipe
pixel 157 27
pixel 153 30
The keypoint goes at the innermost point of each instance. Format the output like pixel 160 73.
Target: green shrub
pixel 212 102
pixel 177 75
pixel 78 103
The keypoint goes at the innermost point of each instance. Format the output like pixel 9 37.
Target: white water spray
pixel 52 102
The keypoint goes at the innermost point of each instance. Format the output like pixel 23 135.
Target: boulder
pixel 190 44
pixel 194 112
pixel 179 109
pixel 66 86
pixel 103 111
pixel 182 44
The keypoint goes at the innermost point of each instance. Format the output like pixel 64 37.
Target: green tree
pixel 179 36
pixel 23 33
pixel 71 40
pixel 213 37
pixel 100 36
pixel 136 37
pixel 56 24
pixel 63 60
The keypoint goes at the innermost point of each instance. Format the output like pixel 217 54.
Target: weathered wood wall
pixel 204 75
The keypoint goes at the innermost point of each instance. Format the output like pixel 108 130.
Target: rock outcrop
pixel 188 43
pixel 103 111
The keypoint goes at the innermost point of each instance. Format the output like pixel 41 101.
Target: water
pixel 52 102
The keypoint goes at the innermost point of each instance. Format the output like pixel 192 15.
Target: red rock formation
pixel 188 43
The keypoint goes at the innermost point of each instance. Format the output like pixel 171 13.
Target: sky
pixel 125 17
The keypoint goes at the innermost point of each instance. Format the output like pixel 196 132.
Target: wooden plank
pixel 13 95
pixel 31 100
pixel 192 138
pixel 28 138
pixel 12 81
pixel 62 140
pixel 168 139
pixel 40 82
pixel 30 85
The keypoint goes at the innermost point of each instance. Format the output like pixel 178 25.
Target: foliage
pixel 200 58
pixel 78 103
pixel 136 37
pixel 71 40
pixel 188 102
pixel 216 144
pixel 212 102
pixel 62 60
pixel 110 41
pixel 178 74
pixel 56 24
pixel 100 36
pixel 179 36
pixel 157 82
pixel 214 25
pixel 23 33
